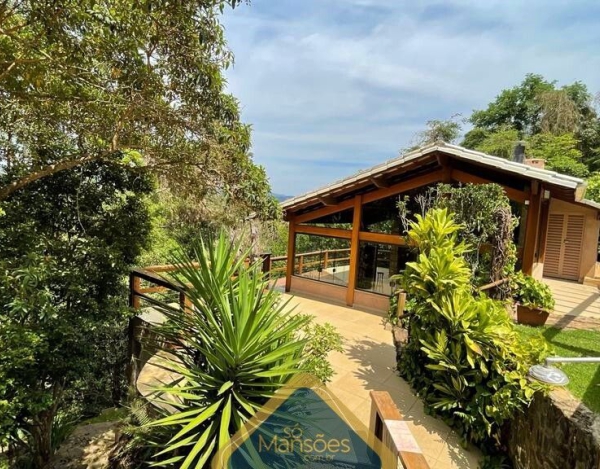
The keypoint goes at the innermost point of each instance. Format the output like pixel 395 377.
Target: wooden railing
pixel 161 284
pixel 301 262
pixel 387 425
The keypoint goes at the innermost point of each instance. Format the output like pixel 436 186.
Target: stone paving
pixel 368 364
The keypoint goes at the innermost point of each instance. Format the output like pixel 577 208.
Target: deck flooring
pixel 577 305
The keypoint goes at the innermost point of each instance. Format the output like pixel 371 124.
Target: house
pixel 355 225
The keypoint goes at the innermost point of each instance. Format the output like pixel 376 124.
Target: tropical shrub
pixel 532 293
pixel 463 355
pixel 485 220
pixel 232 348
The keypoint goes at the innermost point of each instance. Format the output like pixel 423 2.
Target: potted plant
pixel 534 300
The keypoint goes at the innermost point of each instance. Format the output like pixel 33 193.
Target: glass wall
pixel 382 216
pixel 322 258
pixel 377 263
pixel 341 220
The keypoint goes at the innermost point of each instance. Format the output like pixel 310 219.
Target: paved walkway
pixel 368 363
pixel 577 305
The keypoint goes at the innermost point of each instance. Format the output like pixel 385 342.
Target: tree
pixel 517 107
pixel 561 153
pixel 83 81
pixel 438 131
pixel 66 244
pixel 499 143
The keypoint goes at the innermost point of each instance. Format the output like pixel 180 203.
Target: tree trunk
pixel 42 439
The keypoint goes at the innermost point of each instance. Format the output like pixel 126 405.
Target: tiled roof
pixel 520 169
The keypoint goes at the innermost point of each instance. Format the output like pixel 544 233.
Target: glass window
pixel 382 216
pixel 322 258
pixel 377 263
pixel 341 220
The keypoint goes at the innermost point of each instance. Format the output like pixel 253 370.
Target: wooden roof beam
pixel 379 182
pixel 327 200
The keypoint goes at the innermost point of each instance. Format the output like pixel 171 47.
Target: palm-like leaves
pixel 234 345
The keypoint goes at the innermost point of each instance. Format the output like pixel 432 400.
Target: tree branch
pixel 45 171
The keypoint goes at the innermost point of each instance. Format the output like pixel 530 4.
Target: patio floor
pixel 577 305
pixel 368 364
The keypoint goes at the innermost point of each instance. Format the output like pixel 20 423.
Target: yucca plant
pixel 232 347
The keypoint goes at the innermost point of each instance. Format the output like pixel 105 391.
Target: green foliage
pixel 235 346
pixel 66 243
pixel 437 131
pixel 516 107
pixel 87 80
pixel 560 125
pixel 499 143
pixel 561 153
pixel 531 293
pixel 322 339
pixel 463 355
pixel 584 378
pixel 485 220
pixel 593 188
pixel 440 131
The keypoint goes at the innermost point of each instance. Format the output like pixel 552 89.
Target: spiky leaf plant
pixel 232 347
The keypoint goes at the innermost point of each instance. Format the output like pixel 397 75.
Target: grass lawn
pixel 584 377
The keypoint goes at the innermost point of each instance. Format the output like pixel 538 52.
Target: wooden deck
pixel 577 305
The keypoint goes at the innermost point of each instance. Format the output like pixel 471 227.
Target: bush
pixel 463 354
pixel 483 214
pixel 235 345
pixel 531 293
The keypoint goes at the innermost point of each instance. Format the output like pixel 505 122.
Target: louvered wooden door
pixel 563 245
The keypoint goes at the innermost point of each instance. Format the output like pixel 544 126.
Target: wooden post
pixel 291 253
pixel 266 264
pixel 300 264
pixel 134 287
pixel 532 228
pixel 541 249
pixel 401 303
pixel 325 259
pixel 353 271
pixel 184 302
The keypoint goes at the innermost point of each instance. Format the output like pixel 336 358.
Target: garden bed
pixel 584 377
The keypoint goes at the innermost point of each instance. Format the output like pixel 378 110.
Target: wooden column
pixel 356 219
pixel 541 247
pixel 532 227
pixel 134 287
pixel 291 253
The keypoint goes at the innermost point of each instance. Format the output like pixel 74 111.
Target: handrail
pixel 387 425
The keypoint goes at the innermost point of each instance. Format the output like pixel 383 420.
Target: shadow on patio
pixel 368 364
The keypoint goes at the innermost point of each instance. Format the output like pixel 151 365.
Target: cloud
pixel 332 87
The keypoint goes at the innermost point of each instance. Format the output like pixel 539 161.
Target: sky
pixel 334 86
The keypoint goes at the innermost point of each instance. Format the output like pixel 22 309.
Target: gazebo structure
pixel 354 222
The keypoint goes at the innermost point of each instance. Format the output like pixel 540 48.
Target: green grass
pixel 584 377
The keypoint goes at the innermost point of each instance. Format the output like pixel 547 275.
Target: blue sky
pixel 334 86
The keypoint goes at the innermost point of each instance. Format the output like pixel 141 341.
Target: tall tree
pixel 83 80
pixel 516 107
pixel 67 242
pixel 560 125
